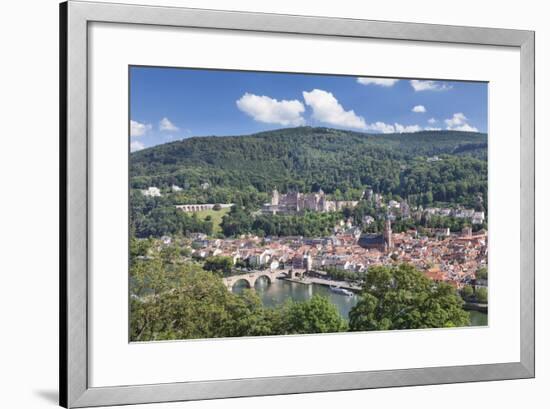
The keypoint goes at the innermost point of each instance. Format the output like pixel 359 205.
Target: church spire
pixel 388 234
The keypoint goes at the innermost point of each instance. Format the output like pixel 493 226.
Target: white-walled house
pixel 260 259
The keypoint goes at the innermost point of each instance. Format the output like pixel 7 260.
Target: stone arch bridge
pixel 188 208
pixel 253 276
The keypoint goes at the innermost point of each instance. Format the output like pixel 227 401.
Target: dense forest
pixel 424 167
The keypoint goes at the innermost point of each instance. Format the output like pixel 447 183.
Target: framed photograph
pixel 258 204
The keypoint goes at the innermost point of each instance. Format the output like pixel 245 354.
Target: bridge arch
pixel 252 277
pixel 267 276
pixel 241 280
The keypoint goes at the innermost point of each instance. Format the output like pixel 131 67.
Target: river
pixel 278 292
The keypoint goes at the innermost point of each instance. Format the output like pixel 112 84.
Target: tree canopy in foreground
pixel 401 297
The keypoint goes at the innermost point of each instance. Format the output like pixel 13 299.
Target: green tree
pixel 401 297
pixel 222 264
pixel 248 316
pixel 185 302
pixel 481 295
pixel 481 273
pixel 316 315
pixel 170 254
pixel 467 292
pixel 139 248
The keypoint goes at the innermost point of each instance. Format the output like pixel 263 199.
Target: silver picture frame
pixel 75 16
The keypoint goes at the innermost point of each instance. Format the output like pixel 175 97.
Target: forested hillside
pixel 307 159
pixel 423 167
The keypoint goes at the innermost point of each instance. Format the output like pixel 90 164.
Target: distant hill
pixel 223 149
pixel 307 159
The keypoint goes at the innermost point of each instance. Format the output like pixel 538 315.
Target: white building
pixel 445 211
pixel 393 204
pixel 260 259
pixel 151 191
pixel 478 218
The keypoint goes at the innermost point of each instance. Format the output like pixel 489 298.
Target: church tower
pixel 388 234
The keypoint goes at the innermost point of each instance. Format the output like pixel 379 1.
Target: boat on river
pixel 342 291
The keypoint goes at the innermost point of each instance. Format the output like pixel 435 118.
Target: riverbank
pixel 474 306
pixel 304 281
pixel 324 282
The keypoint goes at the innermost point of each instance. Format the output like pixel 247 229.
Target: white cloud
pixel 139 129
pixel 419 109
pixel 383 82
pixel 326 108
pixel 465 128
pixel 459 122
pixel 136 146
pixel 406 128
pixel 431 128
pixel 383 127
pixel 270 111
pixel 166 125
pixel 432 121
pixel 458 119
pixel 429 85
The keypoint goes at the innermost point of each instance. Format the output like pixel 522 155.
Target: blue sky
pixel 168 104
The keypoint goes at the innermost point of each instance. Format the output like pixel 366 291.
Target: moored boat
pixel 342 291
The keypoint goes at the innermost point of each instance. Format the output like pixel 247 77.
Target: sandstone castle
pixel 296 202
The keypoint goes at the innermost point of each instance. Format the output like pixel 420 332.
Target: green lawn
pixel 216 216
